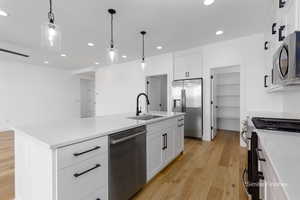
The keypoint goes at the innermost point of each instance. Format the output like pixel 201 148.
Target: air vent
pixel 14 53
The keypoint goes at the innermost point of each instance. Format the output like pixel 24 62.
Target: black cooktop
pixel 277 124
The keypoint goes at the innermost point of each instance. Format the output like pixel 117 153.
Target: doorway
pixel 225 100
pixel 157 91
pixel 87 95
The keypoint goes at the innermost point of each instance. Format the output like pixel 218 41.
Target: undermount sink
pixel 145 117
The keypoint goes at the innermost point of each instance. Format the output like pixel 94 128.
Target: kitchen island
pixel 62 160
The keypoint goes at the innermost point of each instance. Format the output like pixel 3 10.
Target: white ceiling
pixel 173 24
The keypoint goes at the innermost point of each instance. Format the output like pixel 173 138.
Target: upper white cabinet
pixel 282 19
pixel 188 64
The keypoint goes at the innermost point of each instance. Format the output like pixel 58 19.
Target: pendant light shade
pixel 51 34
pixel 112 51
pixel 143 63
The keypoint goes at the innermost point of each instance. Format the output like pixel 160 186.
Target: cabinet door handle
pixel 282 3
pixel 87 151
pixel 274 28
pixel 258 156
pixel 164 141
pixel 280 35
pixel 260 175
pixel 266 47
pixel 76 175
pixel 180 125
pixel 265 81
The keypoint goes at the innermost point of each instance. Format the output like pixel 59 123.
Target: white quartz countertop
pixel 57 134
pixel 283 149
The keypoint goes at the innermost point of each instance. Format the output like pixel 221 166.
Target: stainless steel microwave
pixel 286 61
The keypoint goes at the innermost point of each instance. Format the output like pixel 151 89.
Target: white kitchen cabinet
pixel 188 64
pixel 179 136
pixel 165 141
pixel 155 154
pixel 74 172
pixel 82 179
pixel 271 188
pixel 169 150
pixel 281 21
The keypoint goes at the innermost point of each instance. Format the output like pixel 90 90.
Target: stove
pixel 252 175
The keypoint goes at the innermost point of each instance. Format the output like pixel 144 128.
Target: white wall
pixel 31 93
pixel 118 85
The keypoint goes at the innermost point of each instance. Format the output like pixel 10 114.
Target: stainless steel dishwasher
pixel 127 163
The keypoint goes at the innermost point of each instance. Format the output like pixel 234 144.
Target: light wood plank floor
pixel 6 166
pixel 205 171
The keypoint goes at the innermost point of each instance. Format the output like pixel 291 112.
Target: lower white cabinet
pixel 270 186
pixel 165 141
pixel 155 154
pixel 82 179
pixel 179 136
pixel 169 150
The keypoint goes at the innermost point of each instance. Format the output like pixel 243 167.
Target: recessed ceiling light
pixel 96 63
pixel 3 13
pixel 46 62
pixel 124 56
pixel 91 44
pixel 159 47
pixel 208 2
pixel 220 32
pixel 63 55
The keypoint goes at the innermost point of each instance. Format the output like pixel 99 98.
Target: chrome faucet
pixel 138 111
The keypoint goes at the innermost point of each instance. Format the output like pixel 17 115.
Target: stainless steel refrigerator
pixel 187 97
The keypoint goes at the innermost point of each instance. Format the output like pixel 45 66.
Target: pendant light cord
pixel 143 47
pixel 143 50
pixel 51 14
pixel 111 32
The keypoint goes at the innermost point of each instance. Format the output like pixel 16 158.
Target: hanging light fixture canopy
pixel 143 63
pixel 51 34
pixel 112 52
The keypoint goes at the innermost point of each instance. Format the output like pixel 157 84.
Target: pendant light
pixel 51 34
pixel 112 52
pixel 143 63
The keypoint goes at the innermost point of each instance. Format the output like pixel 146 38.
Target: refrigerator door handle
pixel 183 100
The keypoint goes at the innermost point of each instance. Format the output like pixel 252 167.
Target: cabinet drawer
pixel 162 125
pixel 76 153
pixel 100 194
pixel 84 178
